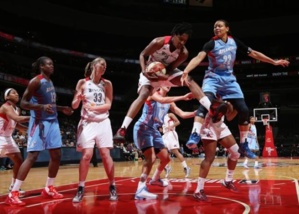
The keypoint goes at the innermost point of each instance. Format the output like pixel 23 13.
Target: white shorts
pixel 215 131
pixel 171 140
pixel 94 133
pixel 8 146
pixel 157 84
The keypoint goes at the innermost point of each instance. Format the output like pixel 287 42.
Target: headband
pixel 7 92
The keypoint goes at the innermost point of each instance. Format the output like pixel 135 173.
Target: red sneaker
pixel 52 193
pixel 13 199
pixel 120 134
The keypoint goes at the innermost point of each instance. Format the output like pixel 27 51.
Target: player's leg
pixel 209 148
pixel 178 155
pixel 143 92
pixel 232 147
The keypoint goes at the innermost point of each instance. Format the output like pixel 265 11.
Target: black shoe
pixel 230 185
pixel 113 193
pixel 79 195
pixel 201 196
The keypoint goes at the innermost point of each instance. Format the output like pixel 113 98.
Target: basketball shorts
pixel 224 85
pixel 92 133
pixel 171 140
pixel 43 134
pixel 8 146
pixel 145 136
pixel 215 131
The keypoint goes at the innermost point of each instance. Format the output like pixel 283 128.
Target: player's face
pixel 180 40
pixel 48 67
pixel 100 68
pixel 220 29
pixel 13 96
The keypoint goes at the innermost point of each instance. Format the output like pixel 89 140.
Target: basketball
pixel 156 68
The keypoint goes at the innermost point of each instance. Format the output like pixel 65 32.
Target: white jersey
pixel 167 123
pixel 164 55
pixel 7 126
pixel 170 137
pixel 95 95
pixel 252 138
pixel 7 143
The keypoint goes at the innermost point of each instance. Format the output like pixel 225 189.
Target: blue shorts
pixel 43 134
pixel 146 136
pixel 224 85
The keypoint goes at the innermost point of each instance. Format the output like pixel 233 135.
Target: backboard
pixel 260 113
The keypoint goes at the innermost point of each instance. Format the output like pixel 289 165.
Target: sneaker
pixel 230 185
pixel 187 171
pixel 21 192
pixel 167 171
pixel 144 194
pixel 193 140
pixel 201 196
pixel 79 195
pixel 257 167
pixel 217 110
pixel 13 199
pixel 51 193
pixel 113 193
pixel 245 166
pixel 120 134
pixel 159 182
pixel 244 150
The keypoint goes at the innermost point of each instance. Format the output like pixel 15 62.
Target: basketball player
pixel 147 137
pixel 9 120
pixel 43 132
pixel 171 141
pixel 253 143
pixel 211 134
pixel 172 52
pixel 94 128
pixel 220 79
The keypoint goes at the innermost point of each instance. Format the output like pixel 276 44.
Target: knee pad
pixel 234 152
pixel 202 111
pixel 242 109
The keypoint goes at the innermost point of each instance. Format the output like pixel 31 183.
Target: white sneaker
pixel 144 194
pixel 167 171
pixel 187 172
pixel 245 166
pixel 159 182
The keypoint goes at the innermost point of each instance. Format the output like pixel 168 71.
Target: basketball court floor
pixel 271 189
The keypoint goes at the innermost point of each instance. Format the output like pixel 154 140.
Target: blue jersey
pixel 222 55
pixel 44 95
pixel 146 133
pixel 153 114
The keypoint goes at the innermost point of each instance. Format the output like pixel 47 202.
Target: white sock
pixel 50 182
pixel 256 163
pixel 127 121
pixel 200 184
pixel 17 185
pixel 196 127
pixel 184 164
pixel 81 184
pixel 243 135
pixel 229 175
pixel 246 161
pixel 205 102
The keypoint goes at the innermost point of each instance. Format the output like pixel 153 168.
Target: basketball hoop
pixel 265 121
